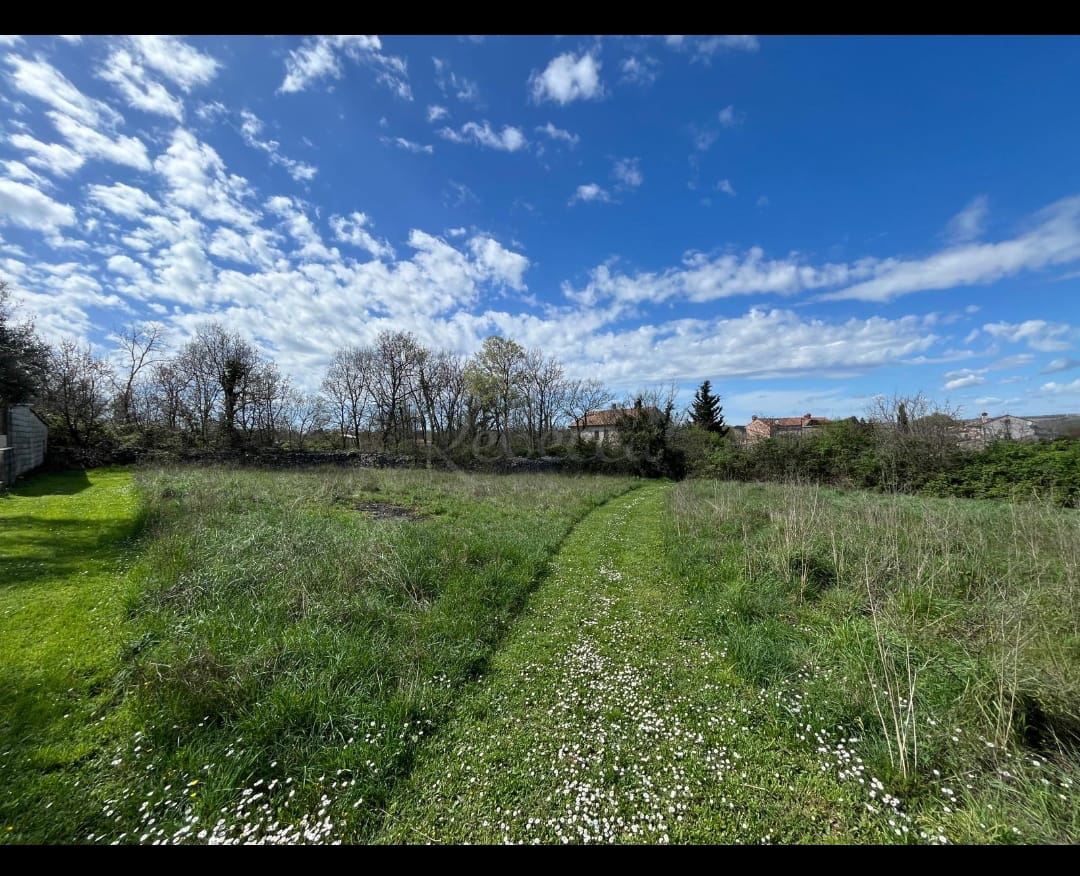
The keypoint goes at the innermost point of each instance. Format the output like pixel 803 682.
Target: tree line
pixel 218 390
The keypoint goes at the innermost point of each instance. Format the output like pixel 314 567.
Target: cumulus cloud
pixel 436 112
pixel 40 79
pixel 137 88
pixel 726 187
pixel 123 200
pixel 639 70
pixel 628 172
pixel 196 179
pixel 963 378
pixel 498 263
pixel 567 77
pixel 1046 337
pixel 176 60
pixel 352 229
pixel 509 139
pixel 19 171
pixel 727 117
pixel 1059 388
pixel 320 58
pixel 91 143
pixel 56 159
pixel 251 127
pixel 27 207
pixel 589 192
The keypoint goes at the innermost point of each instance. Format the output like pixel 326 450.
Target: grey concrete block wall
pixel 25 441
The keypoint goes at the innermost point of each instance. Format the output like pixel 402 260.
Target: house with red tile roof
pixel 760 428
pixel 599 426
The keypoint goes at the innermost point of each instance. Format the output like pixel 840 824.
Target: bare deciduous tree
pixel 141 345
pixel 76 393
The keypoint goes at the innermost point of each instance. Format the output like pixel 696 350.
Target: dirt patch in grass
pixel 388 511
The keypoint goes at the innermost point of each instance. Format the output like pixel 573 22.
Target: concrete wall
pixel 23 446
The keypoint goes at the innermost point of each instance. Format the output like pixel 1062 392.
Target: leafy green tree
pixel 496 377
pixel 706 411
pixel 645 433
pixel 23 355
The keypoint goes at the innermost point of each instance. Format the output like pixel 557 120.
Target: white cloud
pixel 509 139
pixel 91 143
pixel 19 171
pixel 558 133
pixel 706 278
pixel 176 60
pixel 124 200
pixel 41 80
pixel 251 127
pixel 963 379
pixel 498 263
pixel 1054 240
pixel 436 112
pixel 1046 337
pixel 9 39
pixel 319 58
pixel 302 230
pixel 128 267
pixel 1016 361
pixel 450 83
pixel 703 48
pixel 136 87
pixel 351 229
pixel 1058 365
pixel 726 187
pixel 969 223
pixel 727 117
pixel 25 206
pixel 628 172
pixel 568 77
pixel 703 140
pixel 589 192
pixel 407 145
pixel 197 180
pixel 251 248
pixel 1057 388
pixel 639 69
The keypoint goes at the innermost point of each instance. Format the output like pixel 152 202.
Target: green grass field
pixel 221 655
pixel 65 541
pixel 270 661
pixel 944 633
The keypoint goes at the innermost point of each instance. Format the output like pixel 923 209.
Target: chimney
pixel 983 416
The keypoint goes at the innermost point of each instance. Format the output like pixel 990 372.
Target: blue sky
pixel 805 221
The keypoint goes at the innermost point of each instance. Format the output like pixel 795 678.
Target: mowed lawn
pixel 65 541
pixel 264 662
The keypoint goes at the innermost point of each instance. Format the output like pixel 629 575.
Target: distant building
pixel 23 441
pixel 599 426
pixel 760 428
pixel 984 429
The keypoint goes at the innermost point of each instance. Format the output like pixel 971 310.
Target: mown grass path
pixel 607 717
pixel 64 541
